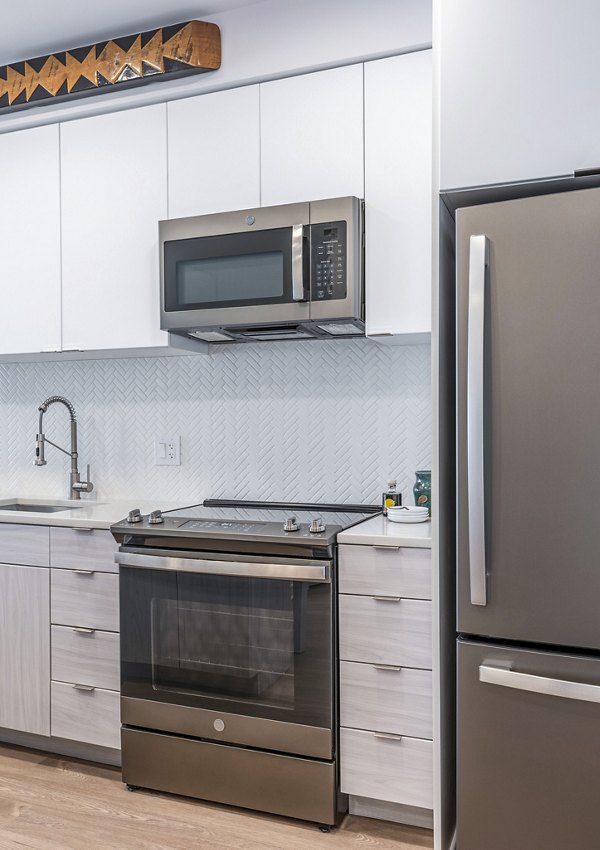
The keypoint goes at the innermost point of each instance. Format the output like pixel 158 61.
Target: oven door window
pixel 259 647
pixel 238 269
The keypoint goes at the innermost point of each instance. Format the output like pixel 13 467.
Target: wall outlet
pixel 167 450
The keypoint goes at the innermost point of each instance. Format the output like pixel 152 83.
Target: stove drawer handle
pixel 316 572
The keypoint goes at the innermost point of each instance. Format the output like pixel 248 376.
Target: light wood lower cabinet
pixel 85 656
pixel 81 598
pixel 386 699
pixel 25 649
pixel 83 549
pixel 383 768
pixel 386 702
pixel 385 630
pixel 59 633
pixel 87 714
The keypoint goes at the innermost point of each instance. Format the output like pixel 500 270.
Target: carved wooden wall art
pixel 167 53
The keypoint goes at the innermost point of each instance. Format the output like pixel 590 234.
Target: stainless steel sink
pixel 39 509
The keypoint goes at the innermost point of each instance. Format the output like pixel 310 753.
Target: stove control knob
pixel 134 515
pixel 290 524
pixel 316 526
pixel 155 517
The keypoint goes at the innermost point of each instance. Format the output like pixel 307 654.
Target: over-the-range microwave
pixel 293 271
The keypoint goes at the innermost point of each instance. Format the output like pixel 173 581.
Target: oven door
pixel 239 651
pixel 240 268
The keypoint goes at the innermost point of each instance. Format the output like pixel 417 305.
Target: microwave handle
pixel 298 293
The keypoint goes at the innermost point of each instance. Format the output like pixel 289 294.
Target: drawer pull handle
pixel 86 530
pixel 387 598
pixel 393 667
pixel 83 631
pixel 387 736
pixel 87 688
pixel 84 572
pixel 384 546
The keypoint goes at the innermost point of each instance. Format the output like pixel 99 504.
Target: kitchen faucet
pixel 76 486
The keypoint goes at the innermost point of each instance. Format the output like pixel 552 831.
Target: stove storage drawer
pixel 85 598
pixel 83 549
pixel 87 714
pixel 391 699
pixel 396 769
pixel 385 571
pixel 386 630
pixel 85 656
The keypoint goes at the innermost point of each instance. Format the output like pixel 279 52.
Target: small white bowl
pixel 407 518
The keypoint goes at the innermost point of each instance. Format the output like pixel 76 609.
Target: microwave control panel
pixel 328 273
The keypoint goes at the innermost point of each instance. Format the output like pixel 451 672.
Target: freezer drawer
pixel 528 766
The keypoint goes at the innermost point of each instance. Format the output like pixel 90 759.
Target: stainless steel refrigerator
pixel 528 523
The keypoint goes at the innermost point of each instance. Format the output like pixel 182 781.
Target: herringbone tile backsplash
pixel 297 421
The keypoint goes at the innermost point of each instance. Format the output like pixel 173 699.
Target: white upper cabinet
pixel 30 241
pixel 312 136
pixel 114 192
pixel 398 196
pixel 214 154
pixel 519 96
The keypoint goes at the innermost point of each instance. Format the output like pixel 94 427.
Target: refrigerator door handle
pixel 539 684
pixel 478 264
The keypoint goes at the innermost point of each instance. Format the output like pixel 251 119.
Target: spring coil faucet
pixel 76 485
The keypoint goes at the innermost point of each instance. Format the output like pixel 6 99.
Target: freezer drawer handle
pixel 478 263
pixel 539 684
pixel 387 598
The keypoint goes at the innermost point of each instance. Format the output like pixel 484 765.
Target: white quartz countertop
pixel 80 514
pixel 379 531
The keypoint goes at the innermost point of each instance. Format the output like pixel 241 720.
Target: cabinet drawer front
pixel 89 716
pixel 379 571
pixel 386 700
pixel 81 599
pixel 27 545
pixel 83 549
pixel 88 658
pixel 400 771
pixel 386 631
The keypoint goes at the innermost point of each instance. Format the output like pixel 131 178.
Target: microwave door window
pixel 234 270
pixel 215 280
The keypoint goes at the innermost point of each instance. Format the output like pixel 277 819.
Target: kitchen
pixel 272 623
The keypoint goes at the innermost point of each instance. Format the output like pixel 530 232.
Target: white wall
pixel 325 421
pixel 276 38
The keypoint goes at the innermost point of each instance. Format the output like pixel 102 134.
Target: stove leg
pixel 325 827
pixel 133 787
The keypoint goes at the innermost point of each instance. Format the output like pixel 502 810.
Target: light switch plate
pixel 167 450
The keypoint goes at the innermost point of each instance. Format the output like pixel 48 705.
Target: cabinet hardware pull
pixel 83 529
pixel 388 736
pixel 385 546
pixel 84 572
pixel 83 631
pixel 387 598
pixel 87 688
pixel 393 667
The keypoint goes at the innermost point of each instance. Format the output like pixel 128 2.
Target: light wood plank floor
pixel 51 803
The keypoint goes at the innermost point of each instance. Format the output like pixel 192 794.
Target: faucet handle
pixel 84 486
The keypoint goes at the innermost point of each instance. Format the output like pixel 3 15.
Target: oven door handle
pixel 291 572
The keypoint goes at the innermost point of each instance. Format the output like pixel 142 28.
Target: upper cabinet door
pixel 114 192
pixel 312 136
pixel 214 154
pixel 30 240
pixel 518 90
pixel 398 196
